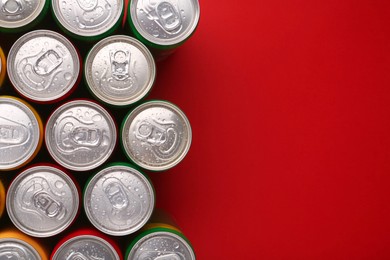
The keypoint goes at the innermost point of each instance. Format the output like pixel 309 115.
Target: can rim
pixel 10 198
pixel 127 123
pixel 101 173
pixel 23 243
pixel 25 21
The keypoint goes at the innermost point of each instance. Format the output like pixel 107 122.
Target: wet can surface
pixel 156 135
pixel 16 245
pixel 163 24
pixel 120 70
pixel 80 135
pixel 86 244
pixel 3 66
pixel 43 66
pixel 88 20
pixel 21 15
pixel 2 198
pixel 119 200
pixel 42 201
pixel 21 133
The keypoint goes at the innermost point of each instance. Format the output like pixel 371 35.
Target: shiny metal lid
pixel 86 247
pixel 120 70
pixel 80 135
pixel 43 65
pixel 15 249
pixel 88 18
pixel 161 246
pixel 156 135
pixel 42 201
pixel 20 133
pixel 119 200
pixel 165 22
pixel 18 13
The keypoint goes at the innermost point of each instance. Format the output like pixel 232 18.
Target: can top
pixel 18 13
pixel 43 65
pixel 120 70
pixel 20 133
pixel 165 22
pixel 86 247
pixel 11 248
pixel 156 135
pixel 161 245
pixel 80 135
pixel 119 200
pixel 42 201
pixel 88 18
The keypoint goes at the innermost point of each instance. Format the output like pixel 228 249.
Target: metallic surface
pixel 119 200
pixel 86 247
pixel 18 13
pixel 2 198
pixel 42 201
pixel 165 22
pixel 88 18
pixel 20 133
pixel 43 65
pixel 3 66
pixel 120 70
pixel 15 249
pixel 80 135
pixel 156 135
pixel 161 245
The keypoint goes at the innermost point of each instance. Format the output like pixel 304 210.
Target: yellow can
pixel 2 198
pixel 3 66
pixel 16 240
pixel 21 133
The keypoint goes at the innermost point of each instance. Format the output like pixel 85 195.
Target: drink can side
pixel 2 198
pixel 3 67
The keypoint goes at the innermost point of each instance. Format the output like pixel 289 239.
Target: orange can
pixel 15 241
pixel 2 198
pixel 3 66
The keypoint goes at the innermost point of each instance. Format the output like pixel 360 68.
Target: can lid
pixel 80 135
pixel 43 65
pixel 18 13
pixel 162 245
pixel 165 22
pixel 119 200
pixel 42 201
pixel 20 133
pixel 88 18
pixel 120 70
pixel 86 247
pixel 11 248
pixel 156 135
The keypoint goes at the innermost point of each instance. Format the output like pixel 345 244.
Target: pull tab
pixel 47 63
pixel 87 5
pixel 120 65
pixel 47 205
pixel 155 256
pixel 12 133
pixel 12 253
pixel 169 17
pixel 83 136
pixel 116 195
pixel 13 7
pixel 80 256
pixel 172 256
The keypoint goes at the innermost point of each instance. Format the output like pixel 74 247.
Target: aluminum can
pixel 163 25
pixel 14 245
pixel 119 70
pixel 21 133
pixel 119 200
pixel 156 135
pixel 3 67
pixel 43 66
pixel 42 201
pixel 80 135
pixel 86 244
pixel 88 20
pixel 21 15
pixel 2 198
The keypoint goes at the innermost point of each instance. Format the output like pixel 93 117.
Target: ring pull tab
pixel 168 17
pixel 88 5
pixel 87 137
pixel 116 195
pixel 13 7
pixel 47 63
pixel 45 203
pixel 120 65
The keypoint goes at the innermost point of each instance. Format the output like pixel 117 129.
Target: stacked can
pixel 2 198
pixel 3 66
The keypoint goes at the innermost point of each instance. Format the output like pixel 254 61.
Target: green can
pixel 163 25
pixel 21 15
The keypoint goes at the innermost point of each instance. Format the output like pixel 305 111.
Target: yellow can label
pixel 3 66
pixel 2 198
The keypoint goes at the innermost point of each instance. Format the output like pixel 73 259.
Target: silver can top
pixel 43 65
pixel 165 22
pixel 161 246
pixel 86 247
pixel 16 249
pixel 119 200
pixel 80 135
pixel 42 201
pixel 18 13
pixel 120 70
pixel 88 18
pixel 20 133
pixel 156 135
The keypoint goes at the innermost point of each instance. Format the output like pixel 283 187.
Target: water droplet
pixel 67 76
pixel 59 184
